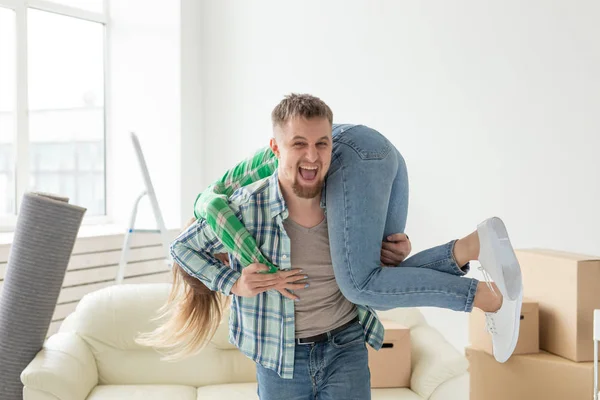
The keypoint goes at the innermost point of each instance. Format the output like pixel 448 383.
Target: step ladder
pixel 160 223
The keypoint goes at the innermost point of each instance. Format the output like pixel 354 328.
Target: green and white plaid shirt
pixel 212 203
pixel 263 327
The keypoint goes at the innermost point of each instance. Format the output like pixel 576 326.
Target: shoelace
pixel 487 278
pixel 490 324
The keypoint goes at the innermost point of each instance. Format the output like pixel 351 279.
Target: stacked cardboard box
pixel 528 377
pixel 565 288
pixel 391 365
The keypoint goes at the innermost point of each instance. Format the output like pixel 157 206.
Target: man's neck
pixel 305 212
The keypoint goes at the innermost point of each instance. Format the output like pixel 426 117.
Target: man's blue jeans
pixel 333 370
pixel 367 200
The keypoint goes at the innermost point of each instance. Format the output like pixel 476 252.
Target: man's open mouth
pixel 308 173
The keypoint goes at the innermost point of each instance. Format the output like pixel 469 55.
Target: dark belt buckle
pixel 312 339
pixel 324 336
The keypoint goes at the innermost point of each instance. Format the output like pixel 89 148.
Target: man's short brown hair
pixel 300 106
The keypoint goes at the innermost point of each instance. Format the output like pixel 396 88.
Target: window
pixel 7 110
pixel 89 5
pixel 52 102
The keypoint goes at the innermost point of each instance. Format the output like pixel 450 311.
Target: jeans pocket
pixel 366 142
pixel 351 336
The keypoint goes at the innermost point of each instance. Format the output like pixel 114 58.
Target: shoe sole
pixel 502 257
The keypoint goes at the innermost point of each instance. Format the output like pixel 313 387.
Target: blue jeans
pixel 367 199
pixel 332 370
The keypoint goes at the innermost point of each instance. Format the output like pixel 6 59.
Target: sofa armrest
pixel 434 360
pixel 64 368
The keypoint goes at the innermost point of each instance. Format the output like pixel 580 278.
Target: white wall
pixel 191 106
pixel 144 88
pixel 493 104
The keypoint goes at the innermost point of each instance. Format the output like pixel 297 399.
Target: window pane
pixel 66 108
pixel 89 5
pixel 8 80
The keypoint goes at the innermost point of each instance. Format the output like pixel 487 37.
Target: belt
pixel 323 337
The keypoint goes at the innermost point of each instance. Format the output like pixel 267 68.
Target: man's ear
pixel 274 147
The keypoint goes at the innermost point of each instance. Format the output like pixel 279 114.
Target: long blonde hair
pixel 189 319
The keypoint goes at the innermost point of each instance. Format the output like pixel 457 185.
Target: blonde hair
pixel 300 105
pixel 189 319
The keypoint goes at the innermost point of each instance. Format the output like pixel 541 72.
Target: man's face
pixel 303 147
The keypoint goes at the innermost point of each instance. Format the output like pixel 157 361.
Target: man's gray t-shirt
pixel 322 307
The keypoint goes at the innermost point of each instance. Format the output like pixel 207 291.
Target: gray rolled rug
pixel 44 237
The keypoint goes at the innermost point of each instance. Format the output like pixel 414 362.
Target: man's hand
pixel 252 282
pixel 395 249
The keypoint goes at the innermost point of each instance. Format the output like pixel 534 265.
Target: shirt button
pixel 289 319
pixel 284 257
pixel 290 345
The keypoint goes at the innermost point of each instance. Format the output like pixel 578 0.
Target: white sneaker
pixel 500 265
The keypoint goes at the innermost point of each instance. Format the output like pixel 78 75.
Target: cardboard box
pixel 567 288
pixel 529 331
pixel 391 365
pixel 529 376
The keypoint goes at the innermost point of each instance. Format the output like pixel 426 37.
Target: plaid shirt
pixel 261 326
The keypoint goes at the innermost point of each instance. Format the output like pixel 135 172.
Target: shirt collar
pixel 276 200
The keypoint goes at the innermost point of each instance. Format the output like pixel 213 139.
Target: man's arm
pixel 193 250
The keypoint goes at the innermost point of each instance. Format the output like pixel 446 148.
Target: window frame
pixel 21 134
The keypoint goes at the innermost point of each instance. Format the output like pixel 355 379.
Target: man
pixel 304 349
pixel 313 347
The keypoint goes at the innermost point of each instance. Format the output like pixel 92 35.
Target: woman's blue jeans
pixel 366 198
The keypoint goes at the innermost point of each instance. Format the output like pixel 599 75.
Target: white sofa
pixel 94 357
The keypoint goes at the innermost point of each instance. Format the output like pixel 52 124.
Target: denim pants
pixel 332 370
pixel 366 197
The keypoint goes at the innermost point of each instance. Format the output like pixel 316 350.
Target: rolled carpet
pixel 44 237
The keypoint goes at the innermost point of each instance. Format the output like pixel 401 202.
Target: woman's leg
pixel 367 199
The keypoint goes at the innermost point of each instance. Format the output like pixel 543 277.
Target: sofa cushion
pixel 143 392
pixel 241 391
pixel 110 319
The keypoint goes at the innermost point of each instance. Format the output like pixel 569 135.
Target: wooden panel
pixel 2 271
pixel 62 310
pixel 77 292
pixel 101 274
pixel 4 250
pixel 104 243
pixel 53 328
pixel 113 257
pixel 115 242
pixel 78 283
pixel 94 260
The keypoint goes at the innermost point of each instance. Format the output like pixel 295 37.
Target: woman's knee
pixel 354 290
